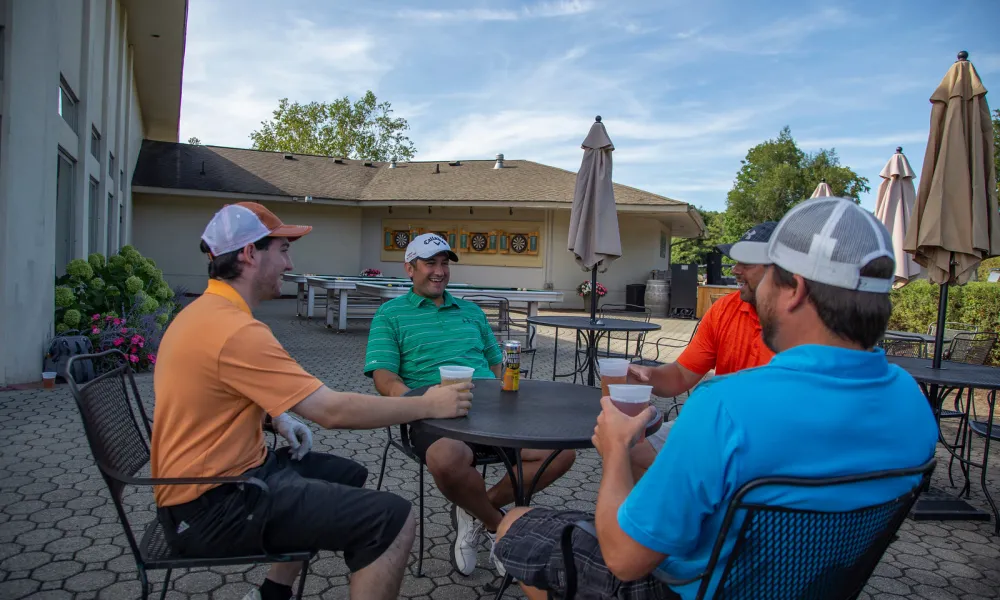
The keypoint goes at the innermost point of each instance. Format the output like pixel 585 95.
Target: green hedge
pixel 914 308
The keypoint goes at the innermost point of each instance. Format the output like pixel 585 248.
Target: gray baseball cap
pixel 751 249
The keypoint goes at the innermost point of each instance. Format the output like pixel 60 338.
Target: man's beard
pixel 768 329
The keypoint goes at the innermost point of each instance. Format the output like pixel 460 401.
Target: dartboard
pixel 519 243
pixel 402 238
pixel 478 242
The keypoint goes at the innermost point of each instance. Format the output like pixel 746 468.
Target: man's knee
pixel 446 457
pixel 642 455
pixel 508 519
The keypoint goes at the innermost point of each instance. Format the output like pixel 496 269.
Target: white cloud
pixel 544 10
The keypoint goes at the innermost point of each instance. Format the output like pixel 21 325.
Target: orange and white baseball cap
pixel 243 223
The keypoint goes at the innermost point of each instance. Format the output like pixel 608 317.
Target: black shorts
pixel 421 440
pixel 531 553
pixel 317 503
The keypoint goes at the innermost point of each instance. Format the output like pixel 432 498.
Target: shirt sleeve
pixel 255 365
pixel 700 355
pixel 666 510
pixel 494 355
pixel 383 346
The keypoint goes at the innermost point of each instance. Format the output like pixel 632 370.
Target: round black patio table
pixel 543 415
pixel 937 384
pixel 593 331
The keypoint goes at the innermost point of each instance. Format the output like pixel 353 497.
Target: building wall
pixel 640 238
pixel 84 43
pixel 168 229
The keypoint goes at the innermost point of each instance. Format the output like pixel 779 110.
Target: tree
pixel 694 250
pixel 996 146
pixel 776 175
pixel 194 141
pixel 364 130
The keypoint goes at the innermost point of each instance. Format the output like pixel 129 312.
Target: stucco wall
pixel 168 229
pixel 44 39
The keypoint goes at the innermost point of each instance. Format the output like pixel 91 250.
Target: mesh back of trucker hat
pixel 829 240
pixel 232 228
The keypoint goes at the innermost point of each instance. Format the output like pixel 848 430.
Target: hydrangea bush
pixel 121 302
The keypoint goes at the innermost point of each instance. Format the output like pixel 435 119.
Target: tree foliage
pixel 362 130
pixel 194 141
pixel 776 175
pixel 694 250
pixel 996 145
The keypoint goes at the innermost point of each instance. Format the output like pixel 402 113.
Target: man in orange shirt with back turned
pixel 219 370
pixel 728 339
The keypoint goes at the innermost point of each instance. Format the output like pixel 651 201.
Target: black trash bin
pixel 635 296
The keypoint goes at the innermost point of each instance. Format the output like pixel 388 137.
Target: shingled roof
pixel 238 170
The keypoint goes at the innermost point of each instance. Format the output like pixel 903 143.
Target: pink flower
pixel 119 341
pixel 95 317
pixel 108 318
pixel 152 358
pixel 133 358
pixel 118 321
pixel 95 331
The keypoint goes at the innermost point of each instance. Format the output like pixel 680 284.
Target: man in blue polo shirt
pixel 411 337
pixel 827 404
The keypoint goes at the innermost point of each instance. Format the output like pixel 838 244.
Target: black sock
pixel 270 590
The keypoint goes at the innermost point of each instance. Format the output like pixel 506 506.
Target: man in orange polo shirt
pixel 728 338
pixel 219 372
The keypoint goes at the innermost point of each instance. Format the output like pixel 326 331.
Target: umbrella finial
pixel 598 118
pixel 823 180
pixel 963 55
pixel 899 149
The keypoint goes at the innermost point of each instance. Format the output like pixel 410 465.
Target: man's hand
pixel 448 402
pixel 638 374
pixel 616 430
pixel 299 436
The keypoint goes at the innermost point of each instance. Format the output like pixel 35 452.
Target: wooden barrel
pixel 656 297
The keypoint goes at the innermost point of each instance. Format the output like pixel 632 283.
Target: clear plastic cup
pixel 454 374
pixel 631 399
pixel 48 379
pixel 613 371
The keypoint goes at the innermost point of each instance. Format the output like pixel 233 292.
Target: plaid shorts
pixel 531 553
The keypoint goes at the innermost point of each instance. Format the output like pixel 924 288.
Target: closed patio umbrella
pixel 893 207
pixel 593 224
pixel 823 189
pixel 955 222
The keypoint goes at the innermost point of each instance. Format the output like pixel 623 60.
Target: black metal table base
pixel 515 471
pixel 936 505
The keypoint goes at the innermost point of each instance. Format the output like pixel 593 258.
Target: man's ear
pixel 798 296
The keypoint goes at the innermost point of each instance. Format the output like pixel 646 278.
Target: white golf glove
pixel 299 436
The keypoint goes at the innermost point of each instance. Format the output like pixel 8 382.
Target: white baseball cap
pixel 243 223
pixel 429 245
pixel 829 240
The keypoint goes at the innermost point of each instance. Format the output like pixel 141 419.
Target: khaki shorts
pixel 660 437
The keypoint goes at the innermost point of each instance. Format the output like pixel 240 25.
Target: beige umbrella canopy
pixel 593 221
pixel 823 189
pixel 955 217
pixel 894 207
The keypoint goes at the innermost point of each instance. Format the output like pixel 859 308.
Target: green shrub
pixel 914 308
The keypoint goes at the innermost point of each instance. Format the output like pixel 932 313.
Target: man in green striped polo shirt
pixel 410 338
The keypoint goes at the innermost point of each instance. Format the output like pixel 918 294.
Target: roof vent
pixel 499 164
pixel 289 157
pixel 392 165
pixel 369 163
pixel 339 161
pixel 457 163
pixel 308 199
pixel 437 168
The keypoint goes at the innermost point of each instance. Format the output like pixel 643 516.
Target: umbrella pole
pixel 593 294
pixel 942 317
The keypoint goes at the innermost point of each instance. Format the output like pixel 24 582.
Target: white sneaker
pixel 253 594
pixel 468 535
pixel 496 560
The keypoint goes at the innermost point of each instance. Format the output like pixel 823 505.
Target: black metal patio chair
pixel 793 553
pixel 904 345
pixel 118 431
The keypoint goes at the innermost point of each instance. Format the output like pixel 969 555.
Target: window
pixel 121 180
pixel 67 104
pixel 64 212
pixel 111 166
pixel 112 231
pixel 96 212
pixel 121 224
pixel 95 143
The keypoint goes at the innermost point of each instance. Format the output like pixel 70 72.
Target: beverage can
pixel 512 366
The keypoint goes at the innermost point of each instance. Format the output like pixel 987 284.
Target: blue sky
pixel 685 88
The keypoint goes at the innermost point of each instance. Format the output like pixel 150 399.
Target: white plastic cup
pixel 48 379
pixel 613 367
pixel 453 374
pixel 631 399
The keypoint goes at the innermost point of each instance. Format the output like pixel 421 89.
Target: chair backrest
pixel 631 312
pixel 115 422
pixel 900 345
pixel 972 348
pixel 795 553
pixel 497 311
pixel 951 328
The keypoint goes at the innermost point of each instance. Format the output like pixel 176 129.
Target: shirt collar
pixel 416 300
pixel 221 288
pixel 846 363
